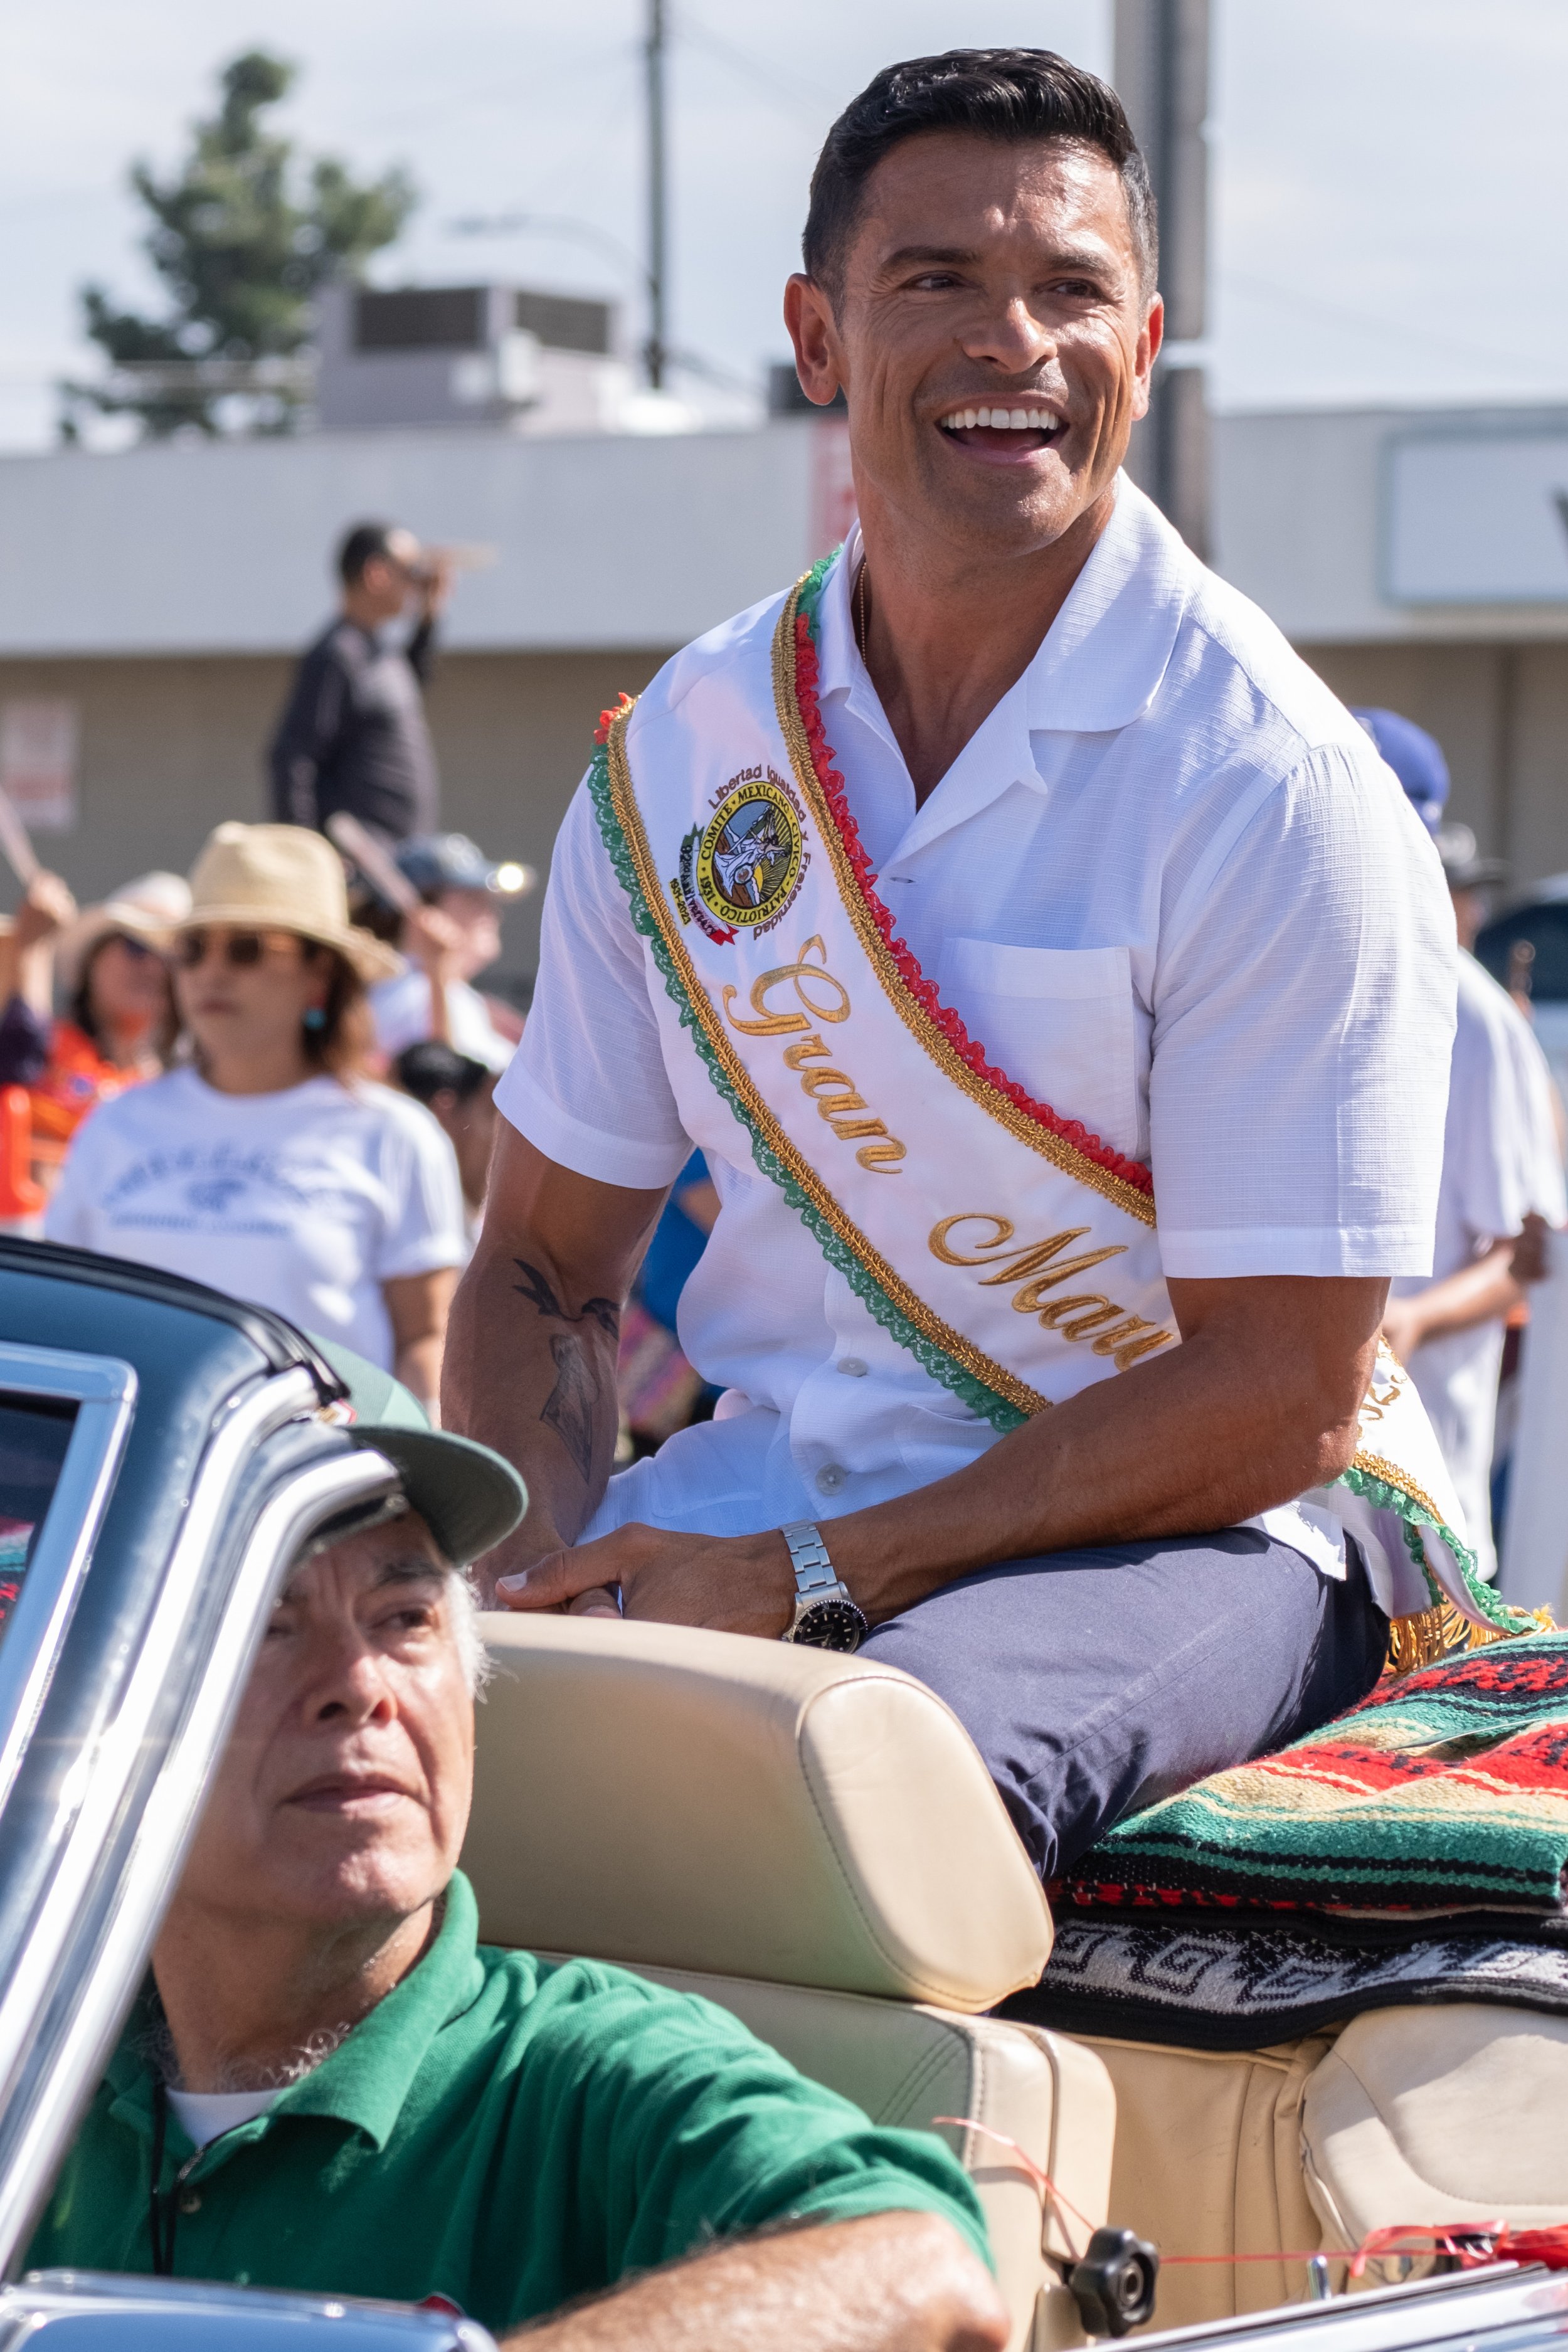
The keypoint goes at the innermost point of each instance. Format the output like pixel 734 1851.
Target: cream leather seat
pixel 1457 2113
pixel 1421 2116
pixel 816 1845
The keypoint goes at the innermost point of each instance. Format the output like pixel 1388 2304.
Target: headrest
pixel 678 1799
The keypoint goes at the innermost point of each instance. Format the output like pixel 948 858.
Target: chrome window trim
pixel 96 1787
pixel 103 1391
pixel 169 1818
pixel 49 2294
pixel 1455 2310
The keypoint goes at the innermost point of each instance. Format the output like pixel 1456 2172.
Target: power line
pixel 776 82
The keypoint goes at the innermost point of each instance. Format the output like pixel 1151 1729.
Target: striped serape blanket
pixel 1446 1791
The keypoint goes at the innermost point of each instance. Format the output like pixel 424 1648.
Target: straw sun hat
pixel 282 878
pixel 151 908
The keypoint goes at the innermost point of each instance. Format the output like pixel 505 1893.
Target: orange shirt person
pixel 118 1023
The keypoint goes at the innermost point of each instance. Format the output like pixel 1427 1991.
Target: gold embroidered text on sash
pixel 833 1091
pixel 1083 1315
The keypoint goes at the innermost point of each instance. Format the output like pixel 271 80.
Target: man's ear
pixel 1151 335
pixel 818 361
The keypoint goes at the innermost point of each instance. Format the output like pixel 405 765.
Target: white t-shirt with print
pixel 401 1011
pixel 305 1202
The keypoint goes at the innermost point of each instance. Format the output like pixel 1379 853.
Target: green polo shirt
pixel 500 2131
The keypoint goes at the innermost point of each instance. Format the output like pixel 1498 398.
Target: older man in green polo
pixel 329 2085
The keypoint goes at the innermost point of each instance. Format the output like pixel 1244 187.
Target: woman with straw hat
pixel 269 1165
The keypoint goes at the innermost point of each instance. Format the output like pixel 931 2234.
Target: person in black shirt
pixel 354 736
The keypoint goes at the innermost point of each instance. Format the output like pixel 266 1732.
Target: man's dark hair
pixel 1003 94
pixel 361 546
pixel 430 1068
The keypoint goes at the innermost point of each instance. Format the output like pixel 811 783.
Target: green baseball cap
pixel 467 1496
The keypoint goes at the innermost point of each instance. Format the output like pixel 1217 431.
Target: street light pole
pixel 1162 74
pixel 657 203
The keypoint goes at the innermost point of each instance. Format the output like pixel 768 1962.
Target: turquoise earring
pixel 315 1018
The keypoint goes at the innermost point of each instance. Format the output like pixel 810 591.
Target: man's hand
pixel 433 942
pixel 435 584
pixel 890 2283
pixel 732 1584
pixel 26 948
pixel 44 913
pixel 1485 1291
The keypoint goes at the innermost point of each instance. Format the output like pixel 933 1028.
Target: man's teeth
pixel 1002 420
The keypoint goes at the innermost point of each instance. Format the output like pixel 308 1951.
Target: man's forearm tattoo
pixel 536 1287
pixel 569 1407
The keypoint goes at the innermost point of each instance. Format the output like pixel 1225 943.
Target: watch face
pixel 832 1625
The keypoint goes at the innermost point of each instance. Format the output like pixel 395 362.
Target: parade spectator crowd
pixel 244 1085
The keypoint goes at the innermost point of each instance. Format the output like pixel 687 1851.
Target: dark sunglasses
pixel 243 950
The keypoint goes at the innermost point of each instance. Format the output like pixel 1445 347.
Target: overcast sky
pixel 1390 180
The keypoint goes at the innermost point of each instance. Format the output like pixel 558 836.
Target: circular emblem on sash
pixel 750 857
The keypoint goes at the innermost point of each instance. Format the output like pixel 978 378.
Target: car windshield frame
pixel 102 1390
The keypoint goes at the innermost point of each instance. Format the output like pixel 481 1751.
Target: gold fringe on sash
pixel 1428 1634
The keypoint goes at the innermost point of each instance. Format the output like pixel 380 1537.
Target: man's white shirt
pixel 1171 887
pixel 1500 1162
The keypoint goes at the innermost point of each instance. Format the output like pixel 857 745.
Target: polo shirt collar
pixel 367 2078
pixel 364 2083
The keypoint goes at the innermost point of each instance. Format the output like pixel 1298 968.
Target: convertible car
pixel 809 1841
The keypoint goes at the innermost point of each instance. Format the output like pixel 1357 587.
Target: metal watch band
pixel 815 1574
pixel 827 1613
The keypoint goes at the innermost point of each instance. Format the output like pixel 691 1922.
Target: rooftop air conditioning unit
pixel 465 355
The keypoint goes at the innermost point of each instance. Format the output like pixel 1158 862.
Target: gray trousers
pixel 1094 1683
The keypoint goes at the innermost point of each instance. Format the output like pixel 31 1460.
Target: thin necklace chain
pixel 862 596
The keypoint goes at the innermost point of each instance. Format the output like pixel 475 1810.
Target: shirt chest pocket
pixel 1060 1021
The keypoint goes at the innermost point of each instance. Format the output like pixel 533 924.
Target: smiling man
pixel 1083 896
pixel 329 2085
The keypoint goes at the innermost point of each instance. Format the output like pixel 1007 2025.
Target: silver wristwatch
pixel 825 1614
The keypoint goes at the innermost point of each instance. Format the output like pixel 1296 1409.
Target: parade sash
pixel 1015 1254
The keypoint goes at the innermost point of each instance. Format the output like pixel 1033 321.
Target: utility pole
pixel 656 351
pixel 1162 75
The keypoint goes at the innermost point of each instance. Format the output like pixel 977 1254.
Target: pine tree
pixel 242 236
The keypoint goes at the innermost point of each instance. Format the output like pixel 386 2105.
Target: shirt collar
pixel 995 756
pixel 1101 661
pixel 368 2077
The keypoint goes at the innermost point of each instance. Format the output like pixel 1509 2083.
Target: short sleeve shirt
pixel 504 2131
pixel 1171 887
pixel 305 1201
pixel 1500 1164
pixel 1500 1158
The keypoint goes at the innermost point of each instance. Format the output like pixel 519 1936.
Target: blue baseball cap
pixel 450 861
pixel 1416 758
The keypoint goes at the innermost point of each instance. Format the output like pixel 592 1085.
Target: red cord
pixel 1470 2244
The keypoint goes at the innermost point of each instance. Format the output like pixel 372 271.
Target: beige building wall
pixel 170 746
pixel 1500 712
